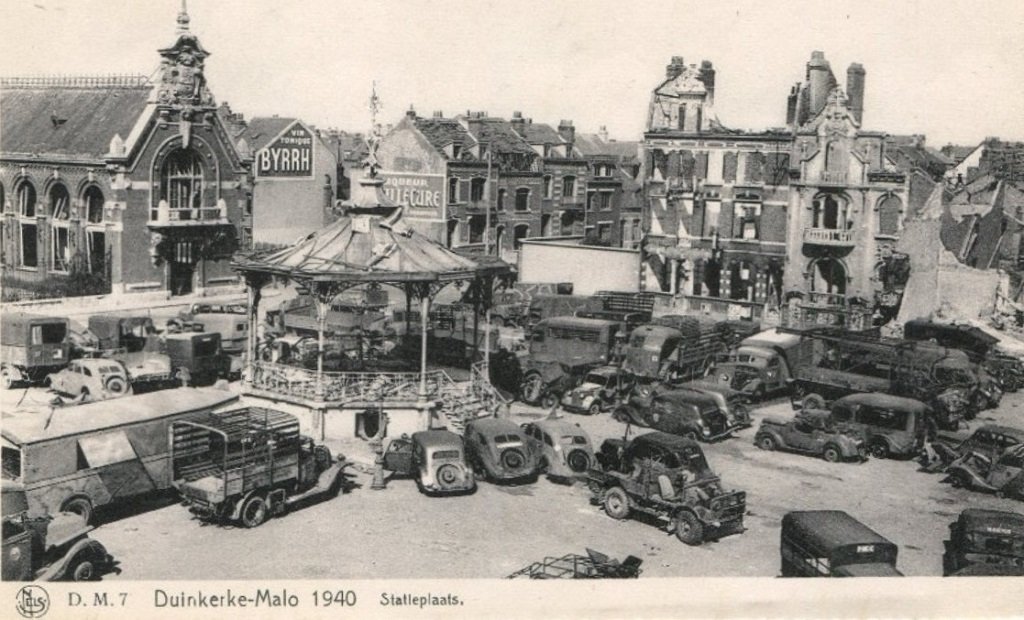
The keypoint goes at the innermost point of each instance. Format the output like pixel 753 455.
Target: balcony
pixel 829 237
pixel 164 216
pixel 827 177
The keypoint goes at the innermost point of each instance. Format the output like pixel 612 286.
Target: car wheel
pixel 616 503
pixel 879 449
pixel 578 461
pixel 254 511
pixel 594 409
pixel 447 476
pixel 832 454
pixel 959 480
pixel 117 386
pixel 689 529
pixel 79 506
pixel 6 379
pixel 513 459
pixel 766 442
pixel 813 401
pixel 82 568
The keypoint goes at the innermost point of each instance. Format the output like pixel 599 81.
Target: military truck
pixel 666 477
pixel 248 464
pixel 983 348
pixel 562 351
pixel 31 347
pixel 133 341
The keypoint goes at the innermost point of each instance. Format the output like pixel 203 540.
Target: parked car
pixel 436 458
pixel 666 477
pixel 811 432
pixel 733 403
pixel 47 547
pixel 985 539
pixel 133 341
pixel 601 390
pixel 564 449
pixel 988 439
pixel 687 412
pixel 91 379
pixel 891 425
pixel 1003 475
pixel 499 450
pixel 831 543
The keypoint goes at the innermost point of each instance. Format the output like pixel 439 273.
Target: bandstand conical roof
pixel 370 243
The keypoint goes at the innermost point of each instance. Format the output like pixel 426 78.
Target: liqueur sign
pixel 289 156
pixel 416 190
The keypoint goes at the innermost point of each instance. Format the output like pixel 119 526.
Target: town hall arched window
pixel 93 199
pixel 181 180
pixel 889 215
pixel 60 213
pixel 25 195
pixel 830 211
pixel 520 232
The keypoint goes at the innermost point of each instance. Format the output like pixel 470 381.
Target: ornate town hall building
pixel 130 177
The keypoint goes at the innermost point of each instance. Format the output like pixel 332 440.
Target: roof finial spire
pixel 183 18
pixel 373 140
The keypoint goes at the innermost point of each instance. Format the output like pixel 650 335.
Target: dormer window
pixel 456 151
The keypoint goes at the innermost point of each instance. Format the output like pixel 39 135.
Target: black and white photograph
pixel 394 309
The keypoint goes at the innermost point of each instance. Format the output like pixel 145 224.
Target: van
pixel 31 347
pixel 84 457
pixel 831 543
pixel 891 425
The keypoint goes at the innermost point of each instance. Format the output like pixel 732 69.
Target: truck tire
pixel 81 567
pixel 878 449
pixel 254 511
pixel 832 454
pixel 80 506
pixel 549 400
pixel 616 503
pixel 689 529
pixel 813 401
pixel 766 442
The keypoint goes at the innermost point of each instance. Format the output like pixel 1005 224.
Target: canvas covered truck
pixel 982 347
pixel 31 347
pixel 249 463
pixel 562 351
pixel 673 354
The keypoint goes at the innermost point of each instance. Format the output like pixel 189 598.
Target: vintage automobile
pixel 811 432
pixel 47 547
pixel 982 539
pixel 499 450
pixel 734 404
pixel 988 439
pixel 891 425
pixel 601 390
pixel 133 341
pixel 688 412
pixel 31 347
pixel 91 379
pixel 831 543
pixel 667 478
pixel 436 458
pixel 565 449
pixel 1003 475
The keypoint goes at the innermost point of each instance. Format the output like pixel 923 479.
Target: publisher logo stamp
pixel 32 602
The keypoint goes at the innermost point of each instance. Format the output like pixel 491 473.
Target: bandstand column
pixel 254 292
pixel 424 323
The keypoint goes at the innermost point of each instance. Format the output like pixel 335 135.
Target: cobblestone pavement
pixel 399 533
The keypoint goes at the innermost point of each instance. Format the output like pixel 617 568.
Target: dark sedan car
pixel 499 450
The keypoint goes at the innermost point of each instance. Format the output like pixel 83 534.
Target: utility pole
pixel 487 211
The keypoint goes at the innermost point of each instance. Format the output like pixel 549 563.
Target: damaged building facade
pixel 801 219
pixel 135 178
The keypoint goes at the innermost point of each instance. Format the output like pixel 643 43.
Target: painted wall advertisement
pixel 423 191
pixel 289 156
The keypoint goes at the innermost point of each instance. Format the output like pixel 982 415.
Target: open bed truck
pixel 248 464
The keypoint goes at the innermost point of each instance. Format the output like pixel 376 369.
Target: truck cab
pixel 31 347
pixel 985 538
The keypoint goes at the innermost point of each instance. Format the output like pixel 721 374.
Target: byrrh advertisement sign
pixel 416 190
pixel 290 155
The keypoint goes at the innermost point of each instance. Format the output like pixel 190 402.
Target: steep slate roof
pixel 498 133
pixel 91 115
pixel 441 132
pixel 263 129
pixel 540 133
pixel 591 144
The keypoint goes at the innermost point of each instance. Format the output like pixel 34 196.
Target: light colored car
pixel 91 379
pixel 565 450
pixel 436 458
pixel 602 388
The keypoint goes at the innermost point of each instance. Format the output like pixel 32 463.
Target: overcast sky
pixel 951 70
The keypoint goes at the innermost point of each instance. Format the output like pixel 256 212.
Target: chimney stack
pixel 603 133
pixel 410 113
pixel 820 80
pixel 792 103
pixel 518 122
pixel 438 114
pixel 855 90
pixel 568 133
pixel 707 76
pixel 674 67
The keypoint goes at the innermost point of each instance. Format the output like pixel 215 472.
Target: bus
pixel 80 458
pixel 831 543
